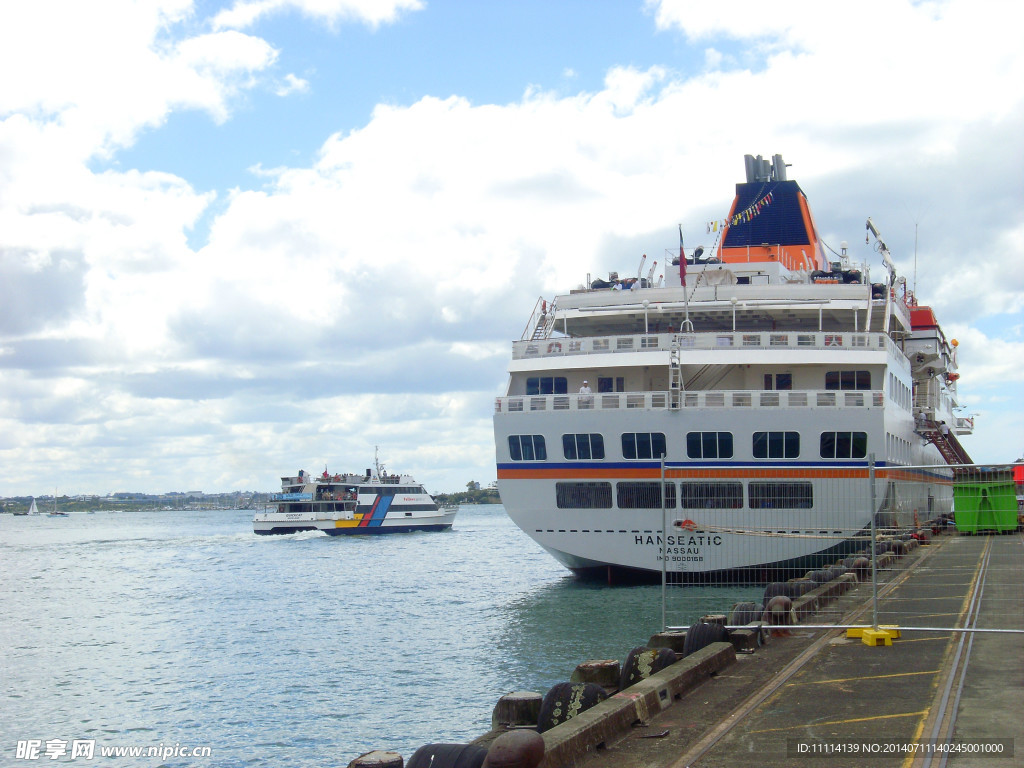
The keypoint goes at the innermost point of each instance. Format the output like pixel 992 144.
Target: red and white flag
pixel 682 258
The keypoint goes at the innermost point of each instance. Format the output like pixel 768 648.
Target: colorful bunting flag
pixel 744 216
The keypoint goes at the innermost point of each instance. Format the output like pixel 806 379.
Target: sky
pixel 242 238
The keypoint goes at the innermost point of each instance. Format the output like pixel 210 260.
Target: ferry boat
pixel 353 504
pixel 723 423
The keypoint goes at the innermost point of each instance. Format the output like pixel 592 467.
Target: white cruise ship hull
pixel 772 381
pixel 753 539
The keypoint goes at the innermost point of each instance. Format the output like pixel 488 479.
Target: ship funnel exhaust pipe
pixel 778 168
pixel 759 170
pixel 748 165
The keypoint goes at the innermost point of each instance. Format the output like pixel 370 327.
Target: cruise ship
pixel 741 418
pixel 372 502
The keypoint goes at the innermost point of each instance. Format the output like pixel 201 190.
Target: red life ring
pixel 554 346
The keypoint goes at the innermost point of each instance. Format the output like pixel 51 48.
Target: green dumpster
pixel 985 500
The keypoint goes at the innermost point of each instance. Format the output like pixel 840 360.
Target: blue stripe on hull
pixel 385 529
pixel 355 530
pixel 279 531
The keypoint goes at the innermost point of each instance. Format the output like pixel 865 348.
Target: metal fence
pixel 782 546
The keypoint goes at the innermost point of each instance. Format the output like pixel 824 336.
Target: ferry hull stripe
pixel 378 512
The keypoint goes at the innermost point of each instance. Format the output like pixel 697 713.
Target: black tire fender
pixel 701 635
pixel 642 662
pixel 448 756
pixel 566 700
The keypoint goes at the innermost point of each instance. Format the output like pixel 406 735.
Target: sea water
pixel 178 630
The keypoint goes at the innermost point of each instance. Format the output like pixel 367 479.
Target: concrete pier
pixel 938 691
pixel 820 698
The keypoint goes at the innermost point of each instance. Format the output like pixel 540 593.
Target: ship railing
pixel 615 401
pixel 738 340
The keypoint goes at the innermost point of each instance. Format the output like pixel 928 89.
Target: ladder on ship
pixel 950 448
pixel 542 320
pixel 675 380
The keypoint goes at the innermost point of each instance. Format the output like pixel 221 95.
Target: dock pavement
pixel 819 698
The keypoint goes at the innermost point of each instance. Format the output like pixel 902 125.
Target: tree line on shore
pixel 473 494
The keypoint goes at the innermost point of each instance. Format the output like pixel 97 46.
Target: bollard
pixel 862 568
pixel 604 672
pixel 514 709
pixel 674 639
pixel 516 749
pixel 745 640
pixel 377 759
pixel 779 611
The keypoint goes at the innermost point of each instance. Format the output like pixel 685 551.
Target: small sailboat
pixel 54 512
pixel 32 510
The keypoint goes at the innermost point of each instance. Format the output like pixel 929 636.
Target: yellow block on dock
pixel 883 635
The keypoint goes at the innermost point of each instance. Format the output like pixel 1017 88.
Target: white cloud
pixel 383 280
pixel 292 84
pixel 218 65
pixel 245 13
pixel 103 73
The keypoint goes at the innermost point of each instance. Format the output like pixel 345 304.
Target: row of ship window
pixel 899 392
pixel 686 495
pixel 559 385
pixel 699 445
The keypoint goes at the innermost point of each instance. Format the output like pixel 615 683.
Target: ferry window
pixel 844 445
pixel 709 445
pixel 583 495
pixel 587 446
pixel 609 384
pixel 644 495
pixel 527 448
pixel 705 495
pixel 781 495
pixel 848 380
pixel 643 445
pixel 395 490
pixel 778 381
pixel 547 385
pixel 776 445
